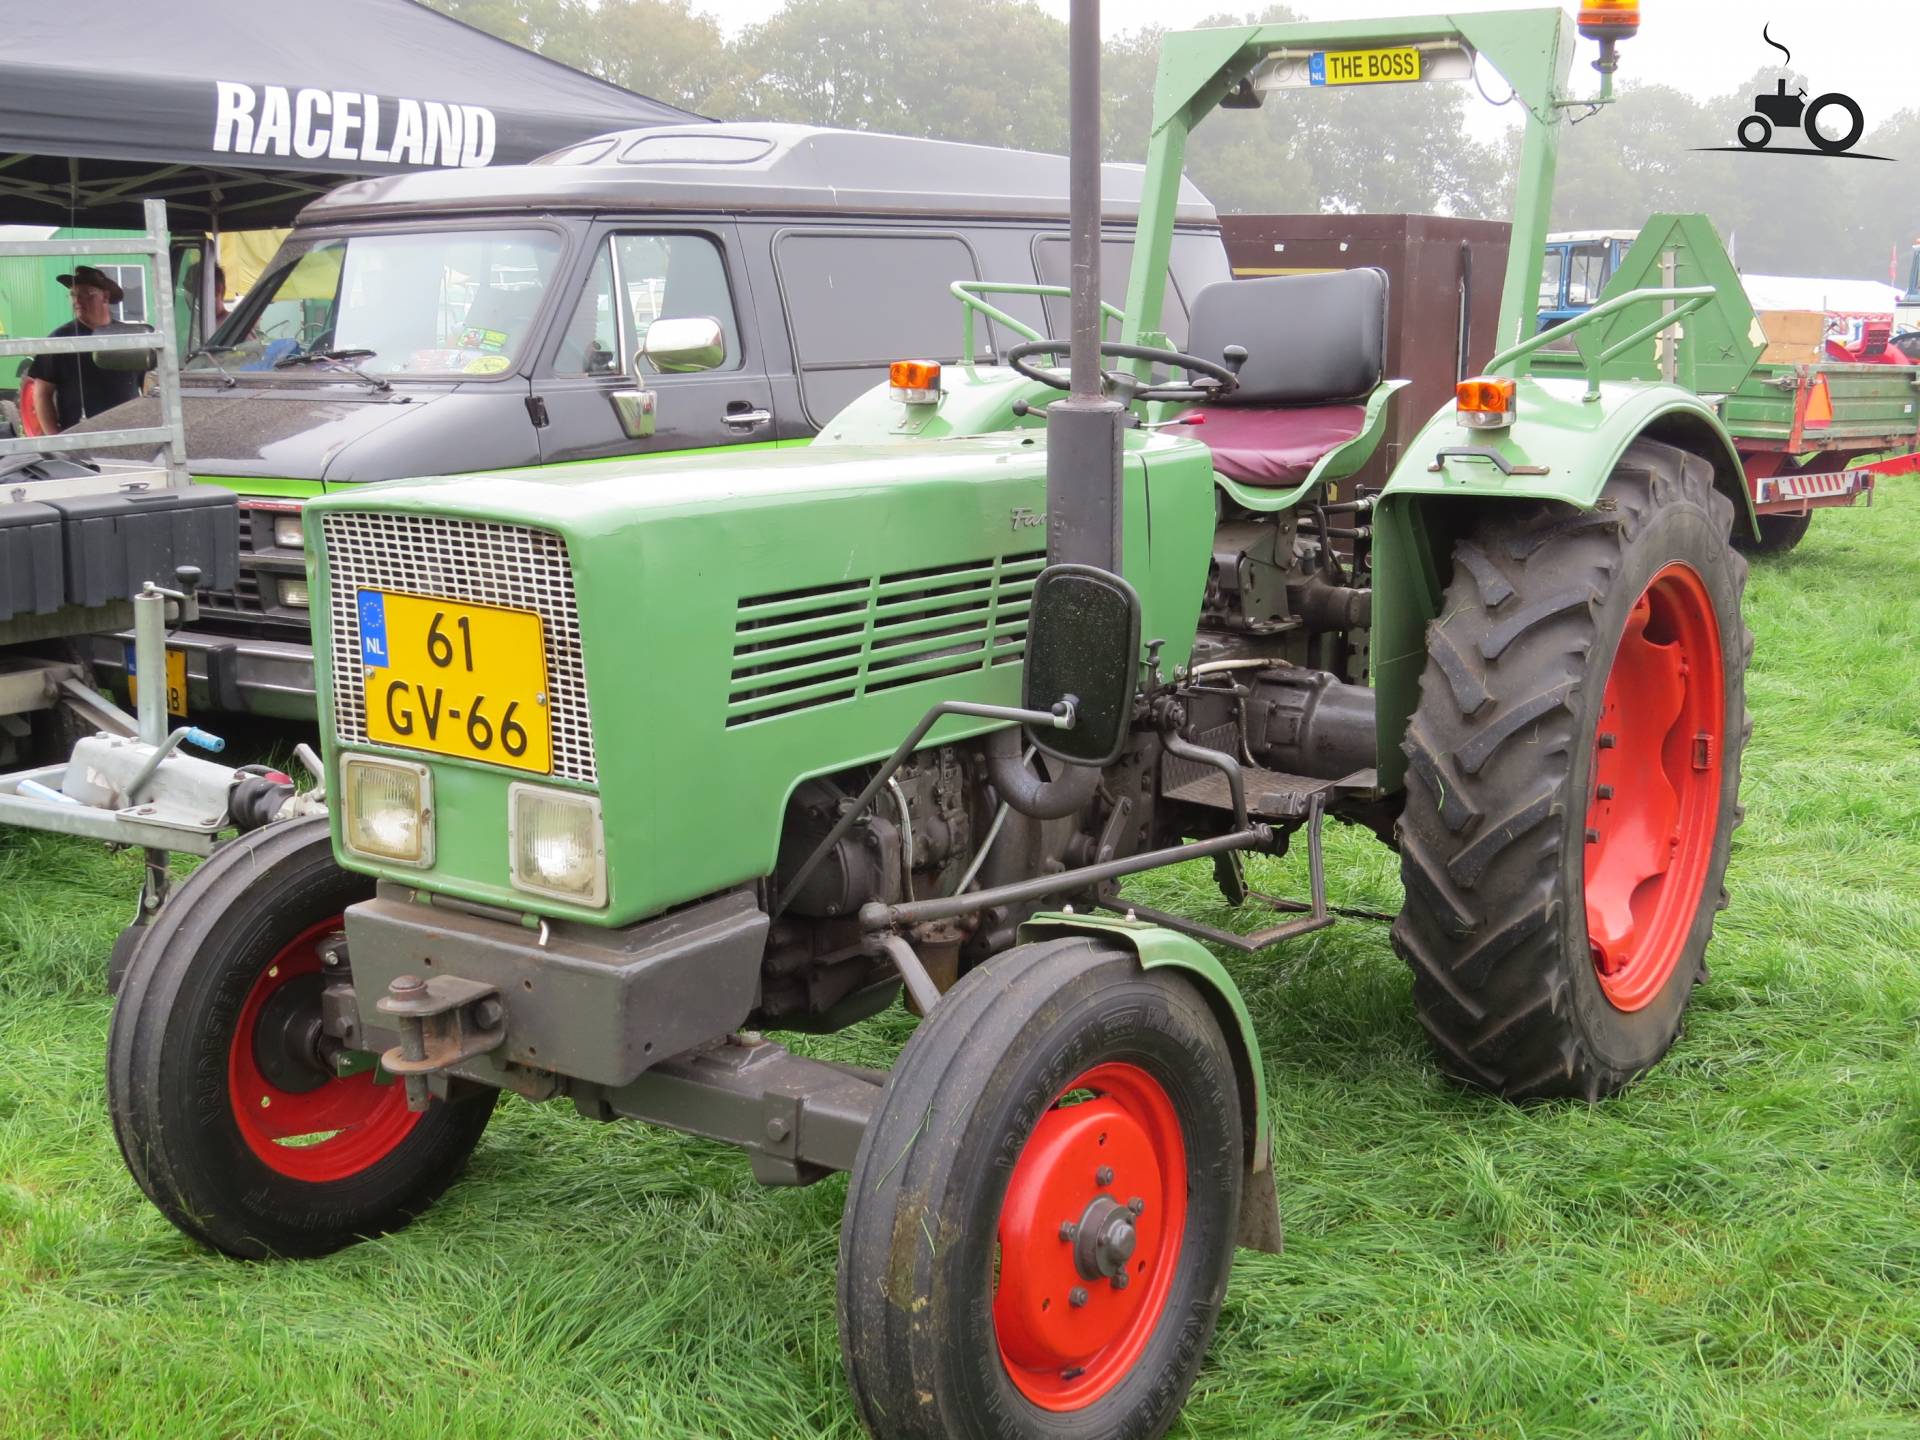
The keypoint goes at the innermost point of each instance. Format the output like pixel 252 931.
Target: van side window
pixel 1116 262
pixel 856 303
pixel 665 277
pixel 675 277
pixel 590 344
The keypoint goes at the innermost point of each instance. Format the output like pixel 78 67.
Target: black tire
pixel 1856 124
pixel 1778 534
pixel 170 1044
pixel 1759 136
pixel 920 1248
pixel 1502 754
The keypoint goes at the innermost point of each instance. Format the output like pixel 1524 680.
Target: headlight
pixel 557 843
pixel 387 810
pixel 287 533
pixel 293 594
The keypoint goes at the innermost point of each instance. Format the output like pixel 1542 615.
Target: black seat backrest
pixel 1310 339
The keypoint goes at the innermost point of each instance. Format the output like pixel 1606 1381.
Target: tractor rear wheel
pixel 1573 781
pixel 1041 1217
pixel 231 1112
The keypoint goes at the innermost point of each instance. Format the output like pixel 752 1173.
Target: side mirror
pixel 1083 644
pixel 682 347
pixel 136 361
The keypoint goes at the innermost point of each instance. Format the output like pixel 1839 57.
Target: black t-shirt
pixel 80 387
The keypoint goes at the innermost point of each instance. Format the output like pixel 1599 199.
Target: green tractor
pixel 769 738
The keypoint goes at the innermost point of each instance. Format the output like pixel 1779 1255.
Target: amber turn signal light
pixel 914 382
pixel 1483 403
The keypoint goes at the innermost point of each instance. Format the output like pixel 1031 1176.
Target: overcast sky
pixel 1864 47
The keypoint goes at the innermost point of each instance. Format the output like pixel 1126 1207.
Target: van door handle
pixel 745 419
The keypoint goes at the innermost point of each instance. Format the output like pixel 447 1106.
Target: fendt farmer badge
pixel 1781 111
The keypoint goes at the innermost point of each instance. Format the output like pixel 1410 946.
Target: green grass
pixel 1732 1249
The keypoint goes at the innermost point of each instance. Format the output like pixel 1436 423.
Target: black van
pixel 469 320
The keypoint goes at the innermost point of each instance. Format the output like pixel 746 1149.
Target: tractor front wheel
pixel 1573 781
pixel 241 1121
pixel 1041 1218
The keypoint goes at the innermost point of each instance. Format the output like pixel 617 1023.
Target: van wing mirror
pixel 683 346
pixel 1083 647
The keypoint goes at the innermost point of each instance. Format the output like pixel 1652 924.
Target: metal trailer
pixel 1811 435
pixel 92 546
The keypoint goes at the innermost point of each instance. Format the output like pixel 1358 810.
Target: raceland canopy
pixel 241 111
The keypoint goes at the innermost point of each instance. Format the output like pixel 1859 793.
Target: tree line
pixel 994 72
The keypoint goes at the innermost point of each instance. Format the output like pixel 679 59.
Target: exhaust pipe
pixel 1026 792
pixel 1083 431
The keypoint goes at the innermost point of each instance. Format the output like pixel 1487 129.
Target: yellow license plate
pixel 1364 67
pixel 456 679
pixel 176 681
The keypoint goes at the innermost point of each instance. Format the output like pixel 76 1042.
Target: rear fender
pixel 1156 946
pixel 1429 503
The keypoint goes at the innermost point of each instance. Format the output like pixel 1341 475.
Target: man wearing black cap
pixel 74 386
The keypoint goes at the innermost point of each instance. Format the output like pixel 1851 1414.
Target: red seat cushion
pixel 1274 446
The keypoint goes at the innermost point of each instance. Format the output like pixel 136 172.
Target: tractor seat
pixel 1316 348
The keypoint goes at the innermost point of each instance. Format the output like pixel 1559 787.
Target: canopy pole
pixel 210 271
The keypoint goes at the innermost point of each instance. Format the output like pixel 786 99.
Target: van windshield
pixel 456 302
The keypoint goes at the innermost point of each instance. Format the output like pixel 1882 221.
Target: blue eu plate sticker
pixel 373 629
pixel 1317 68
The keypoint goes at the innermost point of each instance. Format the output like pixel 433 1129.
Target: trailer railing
pixel 170 435
pixel 1690 298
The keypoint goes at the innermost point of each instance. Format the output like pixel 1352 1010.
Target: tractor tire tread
pixel 1490 751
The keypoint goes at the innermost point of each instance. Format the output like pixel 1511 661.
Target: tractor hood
pixel 719 628
pixel 341 434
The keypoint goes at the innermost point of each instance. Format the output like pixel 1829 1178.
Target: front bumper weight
pixel 584 1002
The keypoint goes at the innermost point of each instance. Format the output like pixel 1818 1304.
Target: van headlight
pixel 386 810
pixel 557 843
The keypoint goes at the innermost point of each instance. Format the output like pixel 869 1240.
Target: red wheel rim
pixel 1068 1336
pixel 1655 800
pixel 335 1131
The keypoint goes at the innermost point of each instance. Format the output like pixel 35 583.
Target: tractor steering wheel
pixel 1215 381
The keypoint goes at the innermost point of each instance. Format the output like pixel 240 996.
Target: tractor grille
pixel 799 649
pixel 475 561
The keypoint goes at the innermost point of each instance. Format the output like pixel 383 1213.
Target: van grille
pixel 796 650
pixel 474 561
pixel 244 597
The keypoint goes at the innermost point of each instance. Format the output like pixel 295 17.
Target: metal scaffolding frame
pixel 170 435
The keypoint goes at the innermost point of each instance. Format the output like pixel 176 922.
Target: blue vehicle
pixel 1579 264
